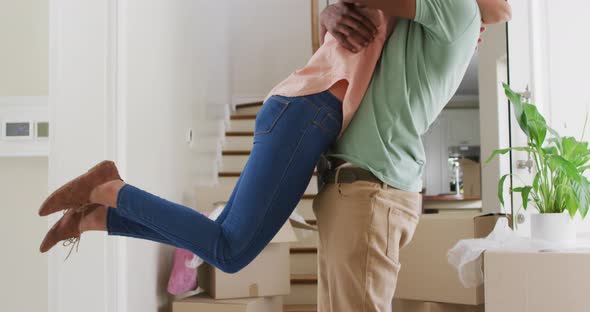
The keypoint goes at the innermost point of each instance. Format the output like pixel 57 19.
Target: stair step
pixel 241 124
pixel 305 209
pixel 304 264
pixel 239 133
pixel 239 143
pixel 234 163
pixel 230 174
pixel 248 109
pixel 302 294
pixel 243 117
pixel 236 153
pixel 303 250
pixel 305 239
pixel 247 105
pixel 304 289
pixel 304 279
pixel 300 308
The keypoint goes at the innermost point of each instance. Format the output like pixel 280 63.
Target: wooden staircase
pixel 236 150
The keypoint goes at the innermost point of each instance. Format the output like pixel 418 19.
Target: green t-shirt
pixel 422 65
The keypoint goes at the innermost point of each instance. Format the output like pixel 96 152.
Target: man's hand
pixel 482 29
pixel 348 25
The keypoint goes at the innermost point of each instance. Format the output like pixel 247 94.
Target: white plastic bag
pixel 467 258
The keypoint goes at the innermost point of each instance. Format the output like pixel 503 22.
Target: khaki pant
pixel 362 227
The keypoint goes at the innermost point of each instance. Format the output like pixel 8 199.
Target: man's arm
pixel 397 8
pixel 495 11
pixel 348 25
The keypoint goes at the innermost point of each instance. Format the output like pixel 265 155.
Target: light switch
pixel 43 130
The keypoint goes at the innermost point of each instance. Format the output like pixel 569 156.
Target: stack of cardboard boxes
pixel 427 282
pixel 257 288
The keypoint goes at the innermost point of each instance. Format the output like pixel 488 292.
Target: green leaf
pixel 529 119
pixel 516 100
pixel 505 151
pixel 501 188
pixel 558 162
pixel 536 182
pixel 551 150
pixel 573 149
pixel 525 192
pixel 582 192
pixel 569 202
pixel 535 123
pixel 514 97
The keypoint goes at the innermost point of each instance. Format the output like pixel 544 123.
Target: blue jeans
pixel 290 136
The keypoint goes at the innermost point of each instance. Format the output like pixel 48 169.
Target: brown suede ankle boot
pixel 67 229
pixel 76 193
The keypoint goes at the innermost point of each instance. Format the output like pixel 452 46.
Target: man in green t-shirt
pixel 370 206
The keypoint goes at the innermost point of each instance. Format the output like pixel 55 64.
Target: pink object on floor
pixel 183 277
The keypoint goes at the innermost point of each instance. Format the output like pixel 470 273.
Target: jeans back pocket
pixel 269 114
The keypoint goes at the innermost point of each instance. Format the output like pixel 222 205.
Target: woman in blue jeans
pixel 291 133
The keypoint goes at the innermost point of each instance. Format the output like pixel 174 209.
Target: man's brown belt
pixel 349 175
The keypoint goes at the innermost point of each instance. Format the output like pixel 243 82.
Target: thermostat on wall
pixel 17 130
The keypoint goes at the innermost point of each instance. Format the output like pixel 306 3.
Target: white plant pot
pixel 554 227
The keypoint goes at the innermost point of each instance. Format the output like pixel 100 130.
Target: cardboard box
pixel 537 282
pixel 203 303
pixel 426 274
pixel 268 275
pixel 471 178
pixel 421 306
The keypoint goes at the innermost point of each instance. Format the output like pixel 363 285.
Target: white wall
pixel 23 180
pixel 165 87
pixel 563 71
pixel 568 72
pixel 24 47
pixel 128 80
pixel 493 112
pixel 23 186
pixel 544 56
pixel 269 40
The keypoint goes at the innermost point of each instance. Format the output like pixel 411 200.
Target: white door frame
pixel 70 21
pixel 529 66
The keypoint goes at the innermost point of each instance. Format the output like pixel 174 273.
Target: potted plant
pixel 559 189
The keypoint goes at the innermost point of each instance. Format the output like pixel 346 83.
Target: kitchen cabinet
pixel 463 127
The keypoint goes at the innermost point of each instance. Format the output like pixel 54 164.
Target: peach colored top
pixel 332 64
